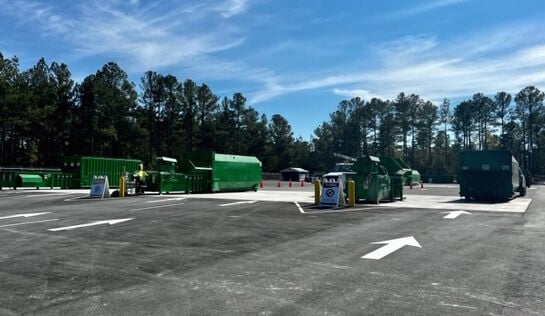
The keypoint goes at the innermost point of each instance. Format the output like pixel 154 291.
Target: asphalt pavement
pixel 270 253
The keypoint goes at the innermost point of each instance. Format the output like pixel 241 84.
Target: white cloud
pixel 146 37
pixel 352 93
pixel 231 8
pixel 425 7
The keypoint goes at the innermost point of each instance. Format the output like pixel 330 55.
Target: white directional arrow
pixel 111 222
pixel 25 215
pixel 391 246
pixel 237 203
pixel 454 214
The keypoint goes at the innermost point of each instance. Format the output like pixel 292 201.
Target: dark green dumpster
pixel 165 179
pixel 84 169
pixel 490 175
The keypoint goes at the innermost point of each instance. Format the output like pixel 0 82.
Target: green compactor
pixel 373 183
pixel 205 172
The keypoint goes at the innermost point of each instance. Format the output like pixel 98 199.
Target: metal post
pixel 351 193
pixel 317 187
pixel 122 186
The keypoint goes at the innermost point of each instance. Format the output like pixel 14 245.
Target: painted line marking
pixel 238 203
pixel 332 211
pixel 299 208
pixel 111 222
pixel 154 207
pixel 81 198
pixel 25 215
pixel 391 246
pixel 456 305
pixel 25 223
pixel 165 200
pixel 45 194
pixel 455 214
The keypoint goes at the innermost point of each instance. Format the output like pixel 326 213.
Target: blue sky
pixel 295 58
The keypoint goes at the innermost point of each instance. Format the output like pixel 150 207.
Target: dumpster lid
pixel 32 177
pixel 167 159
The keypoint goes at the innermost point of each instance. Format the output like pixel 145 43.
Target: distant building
pixel 294 174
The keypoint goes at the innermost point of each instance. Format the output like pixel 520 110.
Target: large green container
pixel 397 166
pixel 490 175
pixel 372 181
pixel 8 179
pixel 221 172
pixel 165 180
pixel 84 168
pixel 27 177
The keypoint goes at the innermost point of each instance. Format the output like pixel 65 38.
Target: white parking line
pixel 18 224
pixel 154 207
pixel 331 211
pixel 164 200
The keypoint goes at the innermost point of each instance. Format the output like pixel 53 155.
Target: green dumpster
pixel 83 169
pixel 490 175
pixel 372 181
pixel 29 181
pixel 165 179
pixel 395 165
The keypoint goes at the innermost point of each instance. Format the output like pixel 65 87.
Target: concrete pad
pixel 517 205
pixel 270 196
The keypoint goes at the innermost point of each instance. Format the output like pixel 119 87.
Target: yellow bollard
pixel 317 188
pixel 351 193
pixel 122 186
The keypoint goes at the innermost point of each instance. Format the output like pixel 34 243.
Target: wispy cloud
pixel 424 65
pixel 231 8
pixel 152 36
pixel 419 9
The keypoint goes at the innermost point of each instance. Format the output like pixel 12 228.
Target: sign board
pixel 100 188
pixel 332 194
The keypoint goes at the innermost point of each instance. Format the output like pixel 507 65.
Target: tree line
pixel 45 115
pixel 429 137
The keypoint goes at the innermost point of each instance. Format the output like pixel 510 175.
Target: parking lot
pixel 270 252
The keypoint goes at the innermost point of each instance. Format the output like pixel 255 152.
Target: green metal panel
pixel 7 179
pixel 166 182
pixel 84 168
pixel 488 175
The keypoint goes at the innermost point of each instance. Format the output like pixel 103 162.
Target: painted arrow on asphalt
pixel 454 214
pixel 25 215
pixel 391 246
pixel 237 203
pixel 111 222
